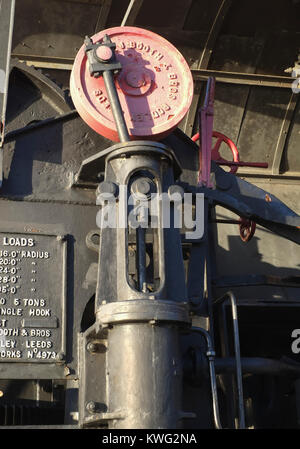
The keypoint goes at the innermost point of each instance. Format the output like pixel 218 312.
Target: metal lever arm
pixel 102 61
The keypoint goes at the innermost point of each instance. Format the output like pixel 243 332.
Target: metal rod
pixel 103 15
pixel 213 382
pixel 204 61
pixel 131 12
pixel 239 378
pixel 221 221
pixel 131 3
pixel 284 133
pixel 141 258
pixel 199 75
pixel 256 279
pixel 257 365
pixel 49 121
pixel 250 79
pixel 116 106
pixel 243 164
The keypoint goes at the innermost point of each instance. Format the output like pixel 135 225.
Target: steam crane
pixel 147 279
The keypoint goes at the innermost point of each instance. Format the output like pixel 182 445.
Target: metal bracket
pixel 101 56
pixel 92 394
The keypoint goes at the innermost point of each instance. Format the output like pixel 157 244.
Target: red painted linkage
pixel 247 229
pixel 215 155
pixel 206 120
pixel 236 163
pixel 208 152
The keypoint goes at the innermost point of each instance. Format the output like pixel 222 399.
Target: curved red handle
pixel 215 155
pixel 247 229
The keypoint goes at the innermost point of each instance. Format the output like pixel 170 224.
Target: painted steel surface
pixel 155 85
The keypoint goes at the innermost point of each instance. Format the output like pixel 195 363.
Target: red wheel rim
pixel 215 155
pixel 155 86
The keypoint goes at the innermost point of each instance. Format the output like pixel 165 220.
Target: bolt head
pixel 107 187
pixel 91 347
pixel 176 190
pixel 61 356
pixel 104 53
pixel 142 186
pixel 100 176
pixel 67 371
pixel 91 407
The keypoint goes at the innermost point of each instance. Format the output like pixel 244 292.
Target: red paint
pixel 247 229
pixel 155 86
pixel 236 163
pixel 206 120
pixel 104 53
pixel 215 155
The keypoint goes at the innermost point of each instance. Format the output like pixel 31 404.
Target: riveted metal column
pixel 143 322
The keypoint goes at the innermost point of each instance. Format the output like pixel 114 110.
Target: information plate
pixel 32 298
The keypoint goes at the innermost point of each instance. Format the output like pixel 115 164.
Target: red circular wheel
pixel 155 85
pixel 247 229
pixel 215 155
